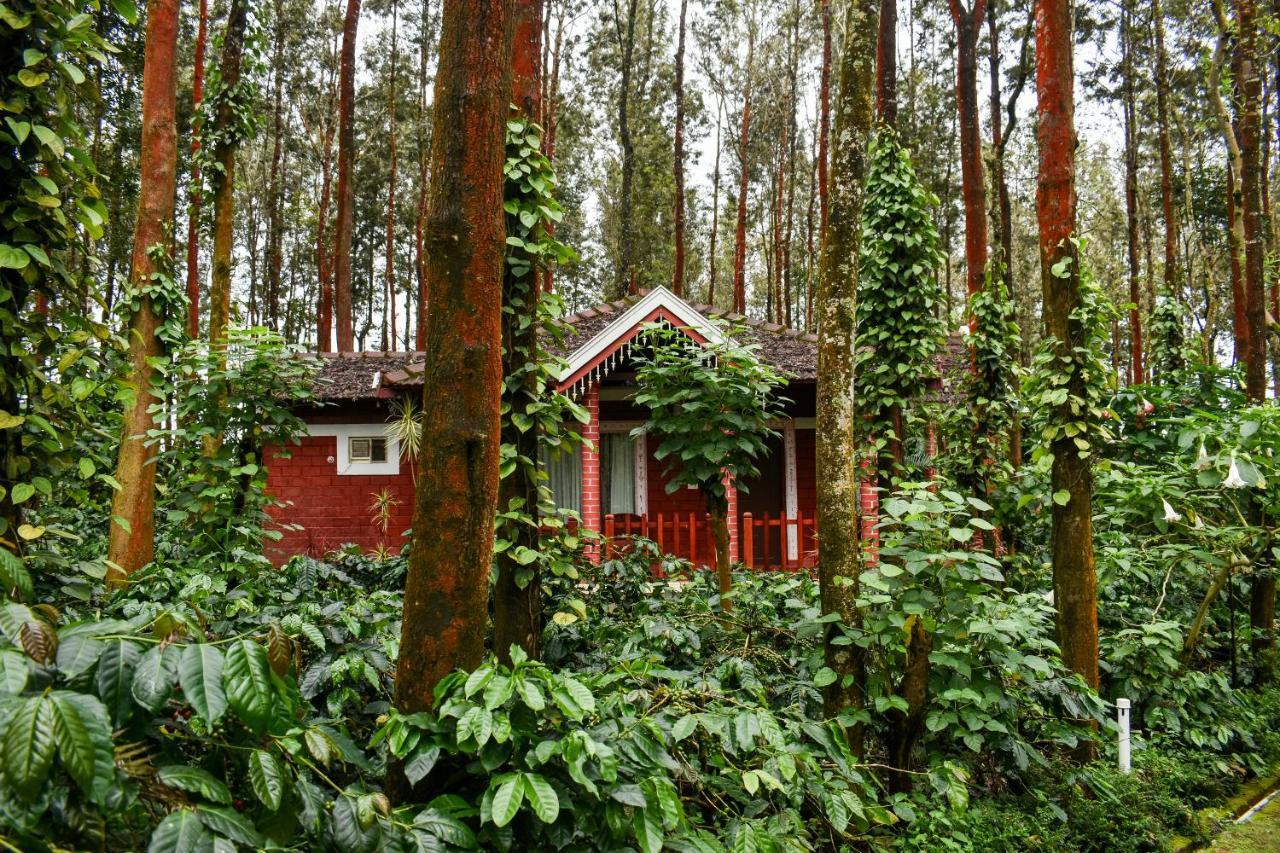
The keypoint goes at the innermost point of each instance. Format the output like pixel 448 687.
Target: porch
pixel 767 543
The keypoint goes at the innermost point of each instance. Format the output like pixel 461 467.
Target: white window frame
pixel 346 467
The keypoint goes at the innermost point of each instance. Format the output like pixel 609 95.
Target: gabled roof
pixel 596 334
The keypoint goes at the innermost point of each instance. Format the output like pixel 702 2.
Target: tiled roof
pixel 360 375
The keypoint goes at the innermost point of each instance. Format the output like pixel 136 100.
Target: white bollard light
pixel 1122 718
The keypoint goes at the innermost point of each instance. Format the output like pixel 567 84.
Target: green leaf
pixel 1062 497
pixel 13 259
pixel 542 797
pixel 179 832
pixel 14 670
pixel 200 674
pixel 22 492
pixel 74 734
pixel 824 677
pixel 684 727
pixel 154 677
pixel 233 825
pixel 507 799
pixel 246 676
pixel 114 678
pixel 29 745
pixel 196 781
pixel 268 779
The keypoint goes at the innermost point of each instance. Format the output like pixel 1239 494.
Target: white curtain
pixel 619 455
pixel 564 475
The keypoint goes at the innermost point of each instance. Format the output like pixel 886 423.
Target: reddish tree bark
pixel 224 153
pixel 517 611
pixel 1074 580
pixel 343 225
pixel 1262 606
pixel 677 277
pixel 715 212
pixel 424 161
pixel 887 64
pixel 390 263
pixel 131 539
pixel 626 35
pixel 968 25
pixel 447 586
pixel 275 225
pixel 193 219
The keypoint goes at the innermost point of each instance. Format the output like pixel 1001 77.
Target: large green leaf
pixel 195 780
pixel 507 799
pixel 268 778
pixel 75 734
pixel 247 678
pixel 154 677
pixel 540 794
pixel 14 670
pixel 115 676
pixel 93 716
pixel 180 832
pixel 29 745
pixel 200 674
pixel 231 824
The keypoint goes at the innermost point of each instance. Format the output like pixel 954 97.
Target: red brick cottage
pixel 351 462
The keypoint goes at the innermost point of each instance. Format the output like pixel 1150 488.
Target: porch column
pixel 792 506
pixel 731 493
pixel 591 466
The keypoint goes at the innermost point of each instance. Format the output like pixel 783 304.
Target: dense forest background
pixel 609 75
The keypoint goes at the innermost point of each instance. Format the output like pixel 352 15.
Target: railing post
pixel 693 538
pixel 748 541
pixel 608 536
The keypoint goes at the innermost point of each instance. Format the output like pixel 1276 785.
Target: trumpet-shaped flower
pixel 1234 480
pixel 1202 461
pixel 1170 514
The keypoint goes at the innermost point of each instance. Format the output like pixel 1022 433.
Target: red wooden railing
pixel 762 541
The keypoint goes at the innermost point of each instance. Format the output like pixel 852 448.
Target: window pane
pixel 618 474
pixel 378 450
pixel 564 476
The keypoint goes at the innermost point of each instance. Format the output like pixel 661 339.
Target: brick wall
pixel 591 464
pixel 333 511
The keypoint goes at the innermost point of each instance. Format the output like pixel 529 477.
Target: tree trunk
pixel 457 491
pixel 193 218
pixel 974 188
pixel 275 213
pixel 887 64
pixel 131 540
pixel 1262 606
pixel 224 183
pixel 626 33
pixel 1235 218
pixel 839 561
pixel 715 211
pixel 390 270
pixel 824 123
pixel 346 192
pixel 1136 374
pixel 1166 154
pixel 424 161
pixel 677 277
pixel 740 230
pixel 517 611
pixel 1074 580
pixel 906 727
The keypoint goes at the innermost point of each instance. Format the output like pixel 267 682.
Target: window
pixel 367 449
pixel 564 477
pixel 617 474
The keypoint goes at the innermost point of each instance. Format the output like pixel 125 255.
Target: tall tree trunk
pixel 131 540
pixel 793 81
pixel 824 123
pixel 197 180
pixel 224 183
pixel 1248 68
pixel 1136 375
pixel 424 162
pixel 744 176
pixel 1166 154
pixel 343 226
pixel 517 610
pixel 1074 579
pixel 390 271
pixel 968 24
pixel 887 64
pixel 677 277
pixel 1235 213
pixel 626 35
pixel 275 212
pixel 715 210
pixel 839 561
pixel 447 585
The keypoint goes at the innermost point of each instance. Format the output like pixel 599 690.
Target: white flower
pixel 1199 523
pixel 1202 461
pixel 1262 482
pixel 1234 480
pixel 1170 514
pixel 963 330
